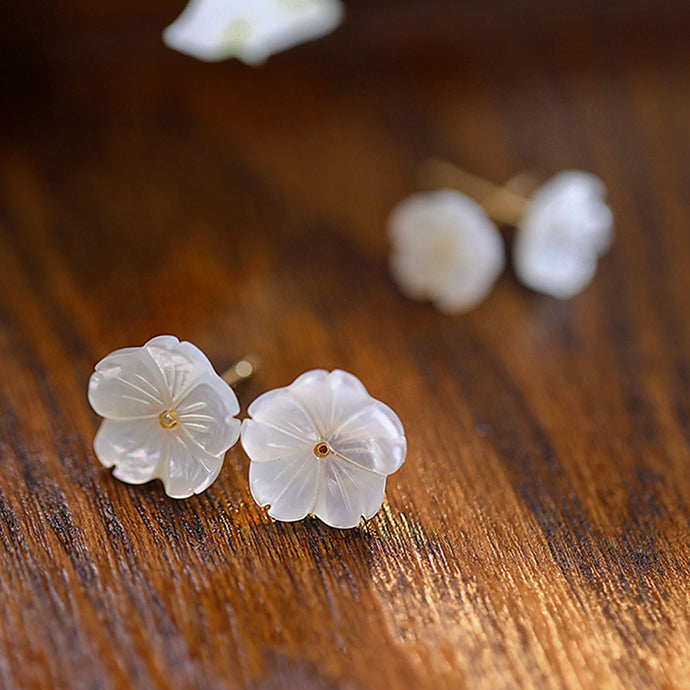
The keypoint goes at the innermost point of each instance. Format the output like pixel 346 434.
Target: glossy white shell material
pixel 250 30
pixel 566 228
pixel 132 387
pixel 445 249
pixel 365 442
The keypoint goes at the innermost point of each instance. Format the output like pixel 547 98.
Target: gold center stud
pixel 322 449
pixel 168 419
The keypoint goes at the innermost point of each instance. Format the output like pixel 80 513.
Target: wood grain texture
pixel 538 534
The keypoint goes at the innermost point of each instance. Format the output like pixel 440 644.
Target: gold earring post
pixel 505 204
pixel 242 369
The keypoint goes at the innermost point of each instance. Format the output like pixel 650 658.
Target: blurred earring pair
pixel 447 248
pixel 320 446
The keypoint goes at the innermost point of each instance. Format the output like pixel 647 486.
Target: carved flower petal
pixel 279 408
pixel 314 393
pixel 290 486
pixel 348 493
pixel 127 384
pixel 181 363
pixel 348 397
pixel 188 469
pixel 141 450
pixel 381 455
pixel 372 438
pixel 134 446
pixel 264 442
pixel 373 420
pixel 207 412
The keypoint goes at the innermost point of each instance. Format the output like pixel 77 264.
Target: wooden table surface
pixel 538 534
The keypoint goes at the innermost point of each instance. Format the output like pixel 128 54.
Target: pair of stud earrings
pixel 447 249
pixel 321 446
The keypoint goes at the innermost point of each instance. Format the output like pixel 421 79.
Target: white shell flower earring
pixel 168 415
pixel 322 446
pixel 562 229
pixel 445 249
pixel 250 30
pixel 565 229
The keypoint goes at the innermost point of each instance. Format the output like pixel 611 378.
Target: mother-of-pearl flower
pixel 250 30
pixel 445 249
pixel 322 446
pixel 168 415
pixel 565 230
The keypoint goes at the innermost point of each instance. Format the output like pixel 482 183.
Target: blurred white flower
pixel 565 230
pixel 250 30
pixel 322 446
pixel 168 415
pixel 445 249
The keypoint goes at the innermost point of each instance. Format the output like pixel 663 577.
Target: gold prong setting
pixel 322 449
pixel 168 419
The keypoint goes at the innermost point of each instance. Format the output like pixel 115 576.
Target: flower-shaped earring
pixel 168 415
pixel 445 249
pixel 250 30
pixel 565 229
pixel 322 446
pixel 562 229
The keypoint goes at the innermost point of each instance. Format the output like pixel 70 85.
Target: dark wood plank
pixel 538 535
